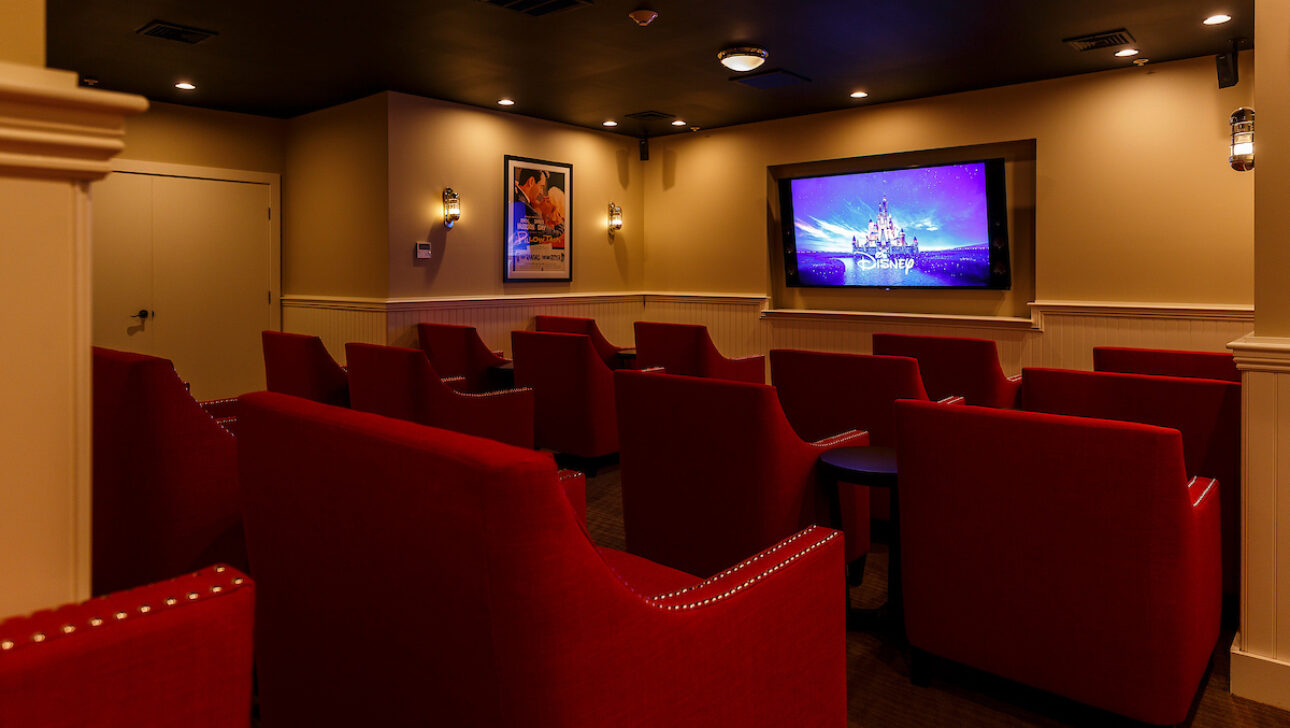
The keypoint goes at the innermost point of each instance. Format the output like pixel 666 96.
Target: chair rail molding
pixel 55 138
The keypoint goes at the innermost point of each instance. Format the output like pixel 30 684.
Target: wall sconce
pixel 451 208
pixel 1242 155
pixel 615 218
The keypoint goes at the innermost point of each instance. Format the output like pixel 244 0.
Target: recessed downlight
pixel 185 86
pixel 1218 19
pixel 678 122
pixel 506 102
pixel 1127 52
pixel 609 122
pixel 859 94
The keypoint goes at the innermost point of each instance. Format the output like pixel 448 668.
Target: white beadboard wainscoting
pixel 1058 333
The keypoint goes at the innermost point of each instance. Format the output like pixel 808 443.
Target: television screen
pixel 942 226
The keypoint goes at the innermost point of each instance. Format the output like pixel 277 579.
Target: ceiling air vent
pixel 775 78
pixel 650 116
pixel 176 32
pixel 1104 39
pixel 538 7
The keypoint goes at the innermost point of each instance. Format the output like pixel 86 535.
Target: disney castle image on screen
pixel 910 227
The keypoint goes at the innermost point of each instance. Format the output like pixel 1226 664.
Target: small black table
pixel 502 376
pixel 873 467
pixel 626 355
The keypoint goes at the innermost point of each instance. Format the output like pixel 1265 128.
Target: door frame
pixel 272 179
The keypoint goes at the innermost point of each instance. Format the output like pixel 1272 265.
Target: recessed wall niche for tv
pixel 927 226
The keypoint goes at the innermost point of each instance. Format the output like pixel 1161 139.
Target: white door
pixel 197 256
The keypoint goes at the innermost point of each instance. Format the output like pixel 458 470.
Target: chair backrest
pixel 675 347
pixel 711 470
pixel 1166 362
pixel 1206 411
pixel 165 477
pixel 577 325
pixel 950 365
pixel 393 381
pixel 1063 552
pixel 825 393
pixel 175 654
pixel 573 392
pixel 456 351
pixel 299 365
pixel 462 563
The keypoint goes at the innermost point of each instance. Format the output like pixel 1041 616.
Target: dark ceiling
pixel 591 63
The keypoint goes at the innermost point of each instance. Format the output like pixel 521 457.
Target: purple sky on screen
pixel 945 207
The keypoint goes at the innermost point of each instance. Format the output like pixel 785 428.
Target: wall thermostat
pixel 423 250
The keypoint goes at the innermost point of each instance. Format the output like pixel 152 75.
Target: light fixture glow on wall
pixel 451 208
pixel 742 58
pixel 1242 153
pixel 615 218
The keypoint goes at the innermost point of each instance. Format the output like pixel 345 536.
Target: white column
pixel 55 138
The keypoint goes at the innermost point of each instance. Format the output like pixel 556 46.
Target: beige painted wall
pixel 201 137
pixel 335 192
pixel 1134 200
pixel 1272 165
pixel 22 32
pixel 437 144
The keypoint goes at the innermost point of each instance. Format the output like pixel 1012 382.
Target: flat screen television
pixel 934 226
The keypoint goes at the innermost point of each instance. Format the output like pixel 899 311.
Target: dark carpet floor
pixel 879 693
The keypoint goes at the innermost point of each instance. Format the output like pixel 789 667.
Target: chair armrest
pixel 952 399
pixel 743 369
pixel 457 383
pixel 504 415
pixel 575 489
pixel 1015 378
pixel 220 409
pixel 1199 489
pixel 850 438
pixel 653 370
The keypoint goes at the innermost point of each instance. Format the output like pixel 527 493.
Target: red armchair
pixel 401 383
pixel 1207 413
pixel 299 365
pixel 713 472
pixel 164 477
pixel 175 654
pixel 953 365
pixel 587 326
pixel 471 596
pixel 457 351
pixel 1166 362
pixel 1067 553
pixel 824 393
pixel 573 392
pixel 688 349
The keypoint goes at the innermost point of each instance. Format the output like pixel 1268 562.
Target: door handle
pixel 143 314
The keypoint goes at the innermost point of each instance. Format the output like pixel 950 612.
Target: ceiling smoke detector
pixel 642 16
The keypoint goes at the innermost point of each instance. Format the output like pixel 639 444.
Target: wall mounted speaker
pixel 1228 72
pixel 644 150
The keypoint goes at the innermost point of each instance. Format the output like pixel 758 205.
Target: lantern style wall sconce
pixel 451 208
pixel 1242 154
pixel 615 218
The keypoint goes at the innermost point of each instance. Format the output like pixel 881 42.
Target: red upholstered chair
pixel 1067 553
pixel 401 383
pixel 823 393
pixel 176 654
pixel 164 478
pixel 953 365
pixel 299 365
pixel 457 351
pixel 1166 362
pixel 573 392
pixel 468 594
pixel 1206 411
pixel 576 325
pixel 713 472
pixel 688 349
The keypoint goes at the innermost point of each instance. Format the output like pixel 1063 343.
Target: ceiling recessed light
pixel 1126 53
pixel 679 122
pixel 609 122
pixel 506 102
pixel 184 85
pixel 742 58
pixel 859 94
pixel 1217 19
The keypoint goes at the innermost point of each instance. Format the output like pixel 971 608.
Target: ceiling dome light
pixel 678 122
pixel 742 58
pixel 506 102
pixel 184 85
pixel 1126 53
pixel 859 94
pixel 1217 19
pixel 609 122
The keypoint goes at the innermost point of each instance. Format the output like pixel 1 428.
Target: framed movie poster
pixel 539 221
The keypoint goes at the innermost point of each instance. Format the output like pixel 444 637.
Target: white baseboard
pixel 1259 678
